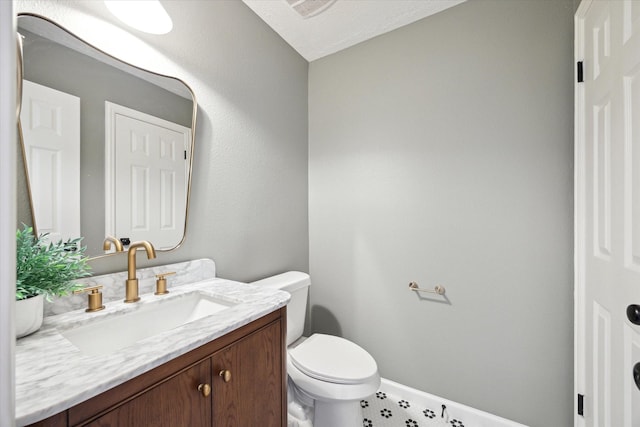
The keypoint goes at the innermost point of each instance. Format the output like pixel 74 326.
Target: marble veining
pixel 52 374
pixel 113 285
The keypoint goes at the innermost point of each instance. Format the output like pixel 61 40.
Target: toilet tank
pixel 297 284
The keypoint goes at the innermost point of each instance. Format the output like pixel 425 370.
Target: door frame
pixel 579 216
pixel 8 150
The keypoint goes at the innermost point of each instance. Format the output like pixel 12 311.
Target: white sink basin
pixel 118 331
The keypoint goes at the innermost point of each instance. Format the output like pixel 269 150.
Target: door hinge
pixel 580 404
pixel 580 72
pixel 185 154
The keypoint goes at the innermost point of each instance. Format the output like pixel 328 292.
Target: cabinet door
pixel 176 402
pixel 253 395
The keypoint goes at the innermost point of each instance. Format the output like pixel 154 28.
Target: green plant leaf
pixel 48 268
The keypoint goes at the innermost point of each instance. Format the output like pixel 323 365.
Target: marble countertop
pixel 52 375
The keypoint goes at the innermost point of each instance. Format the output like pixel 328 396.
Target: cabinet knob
pixel 205 389
pixel 225 375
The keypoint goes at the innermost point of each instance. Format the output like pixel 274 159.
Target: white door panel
pixel 147 163
pixel 607 211
pixel 50 122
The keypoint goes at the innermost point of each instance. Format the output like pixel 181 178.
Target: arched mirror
pixel 107 146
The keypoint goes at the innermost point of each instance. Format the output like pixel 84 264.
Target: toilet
pixel 329 373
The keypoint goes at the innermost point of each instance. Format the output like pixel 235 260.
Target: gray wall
pixel 94 82
pixel 442 153
pixel 249 200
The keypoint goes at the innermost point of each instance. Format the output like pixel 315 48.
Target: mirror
pixel 107 146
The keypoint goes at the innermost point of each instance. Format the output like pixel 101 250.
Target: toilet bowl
pixel 329 372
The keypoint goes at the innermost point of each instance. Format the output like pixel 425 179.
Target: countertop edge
pixel 252 309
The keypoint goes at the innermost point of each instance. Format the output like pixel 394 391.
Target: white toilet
pixel 330 373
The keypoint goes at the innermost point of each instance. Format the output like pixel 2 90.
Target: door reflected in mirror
pixel 107 146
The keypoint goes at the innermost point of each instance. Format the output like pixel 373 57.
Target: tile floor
pixel 386 410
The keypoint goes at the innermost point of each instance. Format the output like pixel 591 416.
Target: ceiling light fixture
pixel 144 15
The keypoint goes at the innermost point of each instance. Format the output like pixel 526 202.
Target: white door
pixel 50 122
pixel 608 211
pixel 149 177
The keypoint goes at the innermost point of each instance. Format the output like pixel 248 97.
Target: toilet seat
pixel 333 359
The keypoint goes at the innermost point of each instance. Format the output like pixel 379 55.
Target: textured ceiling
pixel 343 23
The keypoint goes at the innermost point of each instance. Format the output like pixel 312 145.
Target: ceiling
pixel 342 23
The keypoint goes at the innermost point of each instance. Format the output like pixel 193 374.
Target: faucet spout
pixel 106 245
pixel 132 280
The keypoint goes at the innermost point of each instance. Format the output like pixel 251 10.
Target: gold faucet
pixel 106 245
pixel 132 280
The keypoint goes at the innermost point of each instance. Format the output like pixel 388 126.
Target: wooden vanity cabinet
pixel 254 393
pixel 245 370
pixel 175 402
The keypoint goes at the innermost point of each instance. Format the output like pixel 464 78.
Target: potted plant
pixel 44 270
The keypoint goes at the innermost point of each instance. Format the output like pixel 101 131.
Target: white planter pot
pixel 29 315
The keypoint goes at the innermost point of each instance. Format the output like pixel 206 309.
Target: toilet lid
pixel 333 359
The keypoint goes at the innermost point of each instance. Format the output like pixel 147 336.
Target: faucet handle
pixel 94 297
pixel 161 283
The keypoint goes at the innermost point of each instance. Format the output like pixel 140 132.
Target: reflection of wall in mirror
pixel 61 68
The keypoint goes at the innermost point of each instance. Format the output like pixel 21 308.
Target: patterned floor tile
pixel 386 410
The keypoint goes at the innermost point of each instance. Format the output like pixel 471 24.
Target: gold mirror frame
pixel 21 75
pixel 19 82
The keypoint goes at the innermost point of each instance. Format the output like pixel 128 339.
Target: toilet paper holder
pixel 438 289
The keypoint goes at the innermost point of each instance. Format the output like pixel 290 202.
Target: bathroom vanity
pixel 224 369
pixel 235 380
